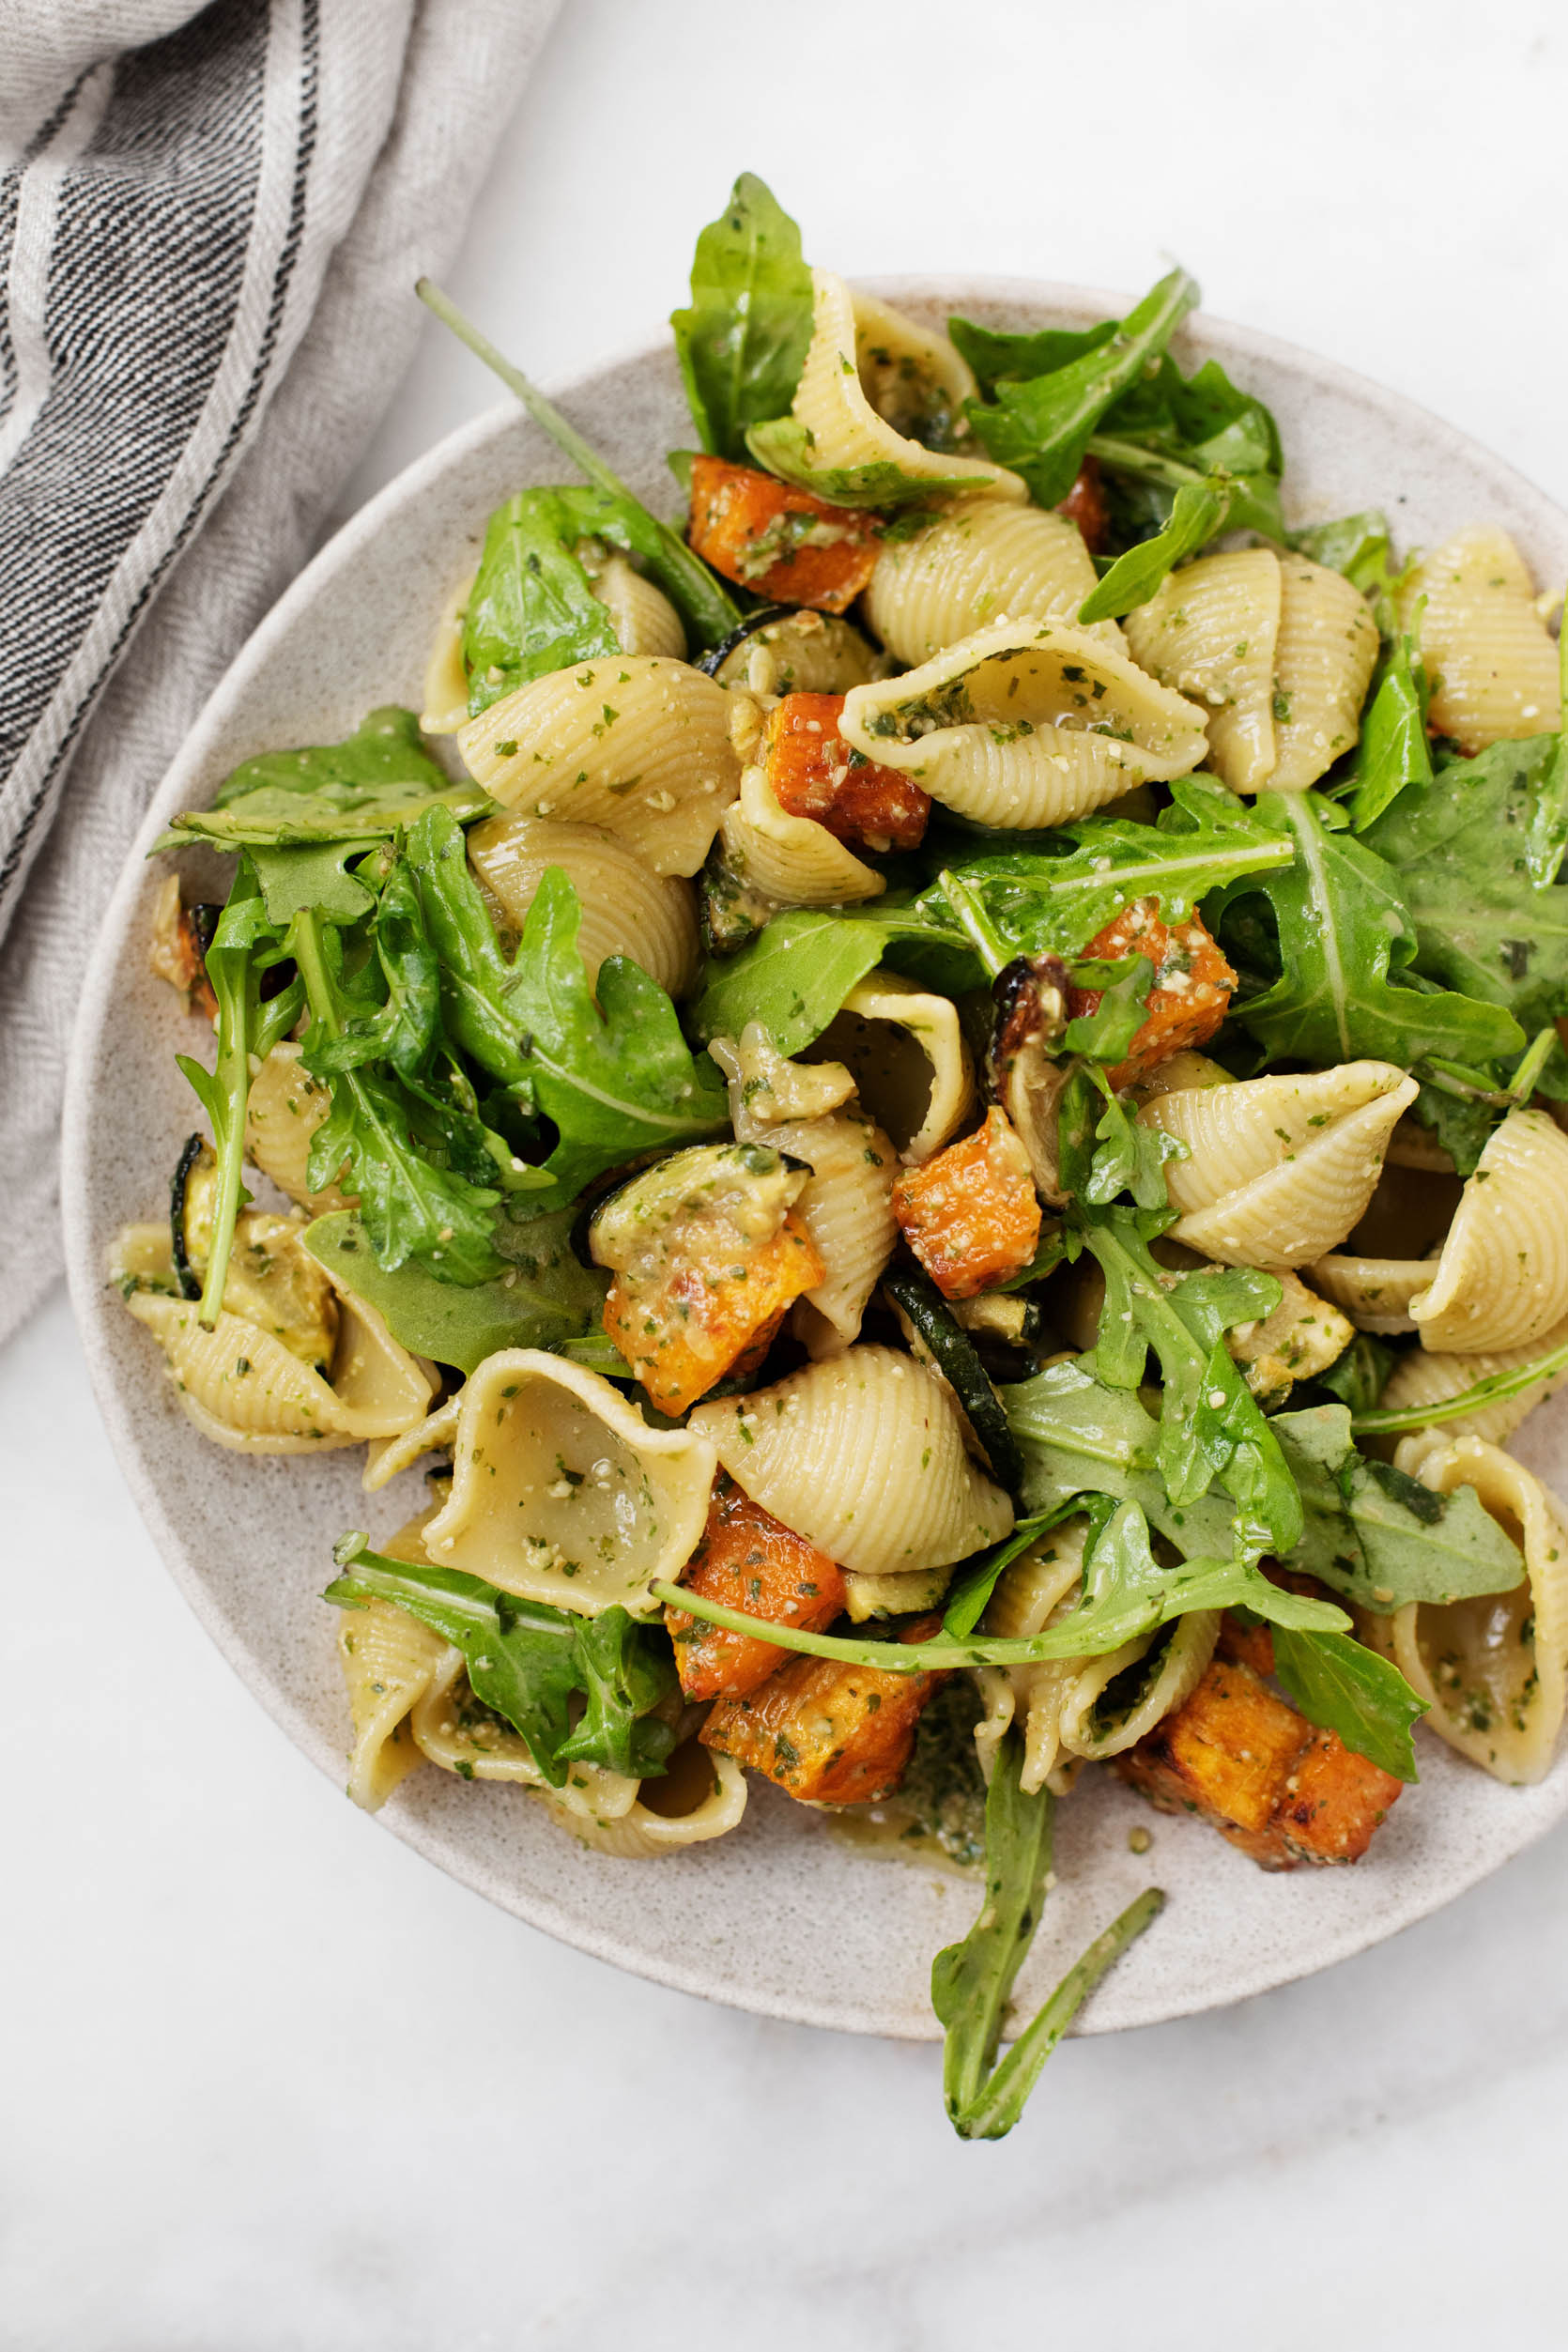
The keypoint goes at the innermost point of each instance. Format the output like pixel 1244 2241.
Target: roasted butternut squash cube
pixel 706 1257
pixel 747 1559
pixel 971 1215
pixel 1086 505
pixel 814 773
pixel 828 1734
pixel 777 540
pixel 1247 1645
pixel 1192 985
pixel 1335 1799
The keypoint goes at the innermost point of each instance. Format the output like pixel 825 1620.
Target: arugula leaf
pixel 1394 749
pixel 1359 1377
pixel 1198 514
pixel 1459 843
pixel 795 976
pixel 359 790
pixel 532 608
pixel 993 355
pixel 525 1661
pixel 1343 927
pixel 786 447
pixel 543 1297
pixel 245 946
pixel 1357 544
pixel 1122 986
pixel 1380 1537
pixel 1128 1158
pixel 742 342
pixel 1054 899
pixel 969 1595
pixel 971 1981
pixel 1211 1426
pixel 1547 831
pixel 1339 1684
pixel 1041 428
pixel 1079 1435
pixel 312 874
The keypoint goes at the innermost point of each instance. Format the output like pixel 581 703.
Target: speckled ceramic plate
pixel 778 1917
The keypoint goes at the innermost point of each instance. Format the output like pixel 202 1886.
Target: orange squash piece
pixel 1086 505
pixel 781 543
pixel 710 1311
pixel 828 1734
pixel 1192 984
pixel 747 1559
pixel 971 1215
pixel 814 773
pixel 1274 1785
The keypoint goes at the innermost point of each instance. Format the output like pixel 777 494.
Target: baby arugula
pixel 742 341
pixel 359 790
pixel 527 1662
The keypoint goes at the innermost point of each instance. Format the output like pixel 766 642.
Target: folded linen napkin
pixel 211 224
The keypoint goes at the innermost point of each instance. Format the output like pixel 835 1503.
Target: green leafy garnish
pixel 997 355
pixel 795 976
pixel 971 1981
pixel 1394 749
pixel 1356 544
pixel 1345 1687
pixel 742 341
pixel 1104 1148
pixel 526 1661
pixel 1366 1421
pixel 380 778
pixel 1198 514
pixel 532 608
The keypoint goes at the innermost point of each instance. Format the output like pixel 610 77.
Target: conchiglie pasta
pixel 1501 1278
pixel 283 1111
pixel 981 562
pixel 1375 1292
pixel 913 1069
pixel 845 378
pixel 1428 1380
pixel 799 652
pixel 1026 724
pixel 641 615
pixel 1279 1168
pixel 791 861
pixel 864 1455
pixel 562 1493
pixel 704 1794
pixel 628 910
pixel 389 1660
pixel 1212 632
pixel 1494 1669
pixel 1492 663
pixel 1323 663
pixel 638 745
pixel 1112 1702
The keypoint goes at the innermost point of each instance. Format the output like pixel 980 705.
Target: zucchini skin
pixel 959 1362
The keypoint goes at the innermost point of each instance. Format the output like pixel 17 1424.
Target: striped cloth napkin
pixel 211 224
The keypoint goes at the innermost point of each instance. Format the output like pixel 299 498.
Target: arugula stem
pixel 1449 1079
pixel 1147 465
pixel 994 950
pixel 997 2107
pixel 1494 1389
pixel 1522 1084
pixel 714 612
pixel 304 943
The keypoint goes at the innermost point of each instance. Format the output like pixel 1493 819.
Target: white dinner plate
pixel 779 1917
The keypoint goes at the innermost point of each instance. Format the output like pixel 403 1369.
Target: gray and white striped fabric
pixel 209 227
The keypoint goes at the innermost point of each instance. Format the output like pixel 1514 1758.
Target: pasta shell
pixel 1026 724
pixel 562 1493
pixel 645 1830
pixel 1494 1669
pixel 638 745
pixel 845 384
pixel 864 1455
pixel 1421 1378
pixel 1211 632
pixel 1501 1278
pixel 1096 1719
pixel 385 1457
pixel 912 1067
pixel 1323 663
pixel 791 860
pixel 1302 1337
pixel 389 1660
pixel 765 1089
pixel 642 616
pixel 446 680
pixel 1493 665
pixel 800 652
pixel 284 1109
pixel 981 562
pixel 628 910
pixel 1375 1292
pixel 1279 1168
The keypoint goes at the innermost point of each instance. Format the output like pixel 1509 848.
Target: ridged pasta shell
pixel 628 910
pixel 1491 660
pixel 1279 1168
pixel 1495 1669
pixel 1501 1278
pixel 637 744
pixel 1211 632
pixel 562 1493
pixel 863 1455
pixel 912 1067
pixel 981 562
pixel 1375 1292
pixel 641 1832
pixel 642 616
pixel 389 1660
pixel 446 681
pixel 800 652
pixel 1090 1726
pixel 1302 1337
pixel 1421 1378
pixel 385 1457
pixel 283 1111
pixel 765 1089
pixel 792 860
pixel 1323 663
pixel 1026 724
pixel 834 402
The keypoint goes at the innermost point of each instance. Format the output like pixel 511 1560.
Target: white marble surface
pixel 270 2081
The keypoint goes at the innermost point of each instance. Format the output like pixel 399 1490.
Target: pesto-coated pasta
pixel 1323 663
pixel 283 1111
pixel 1212 633
pixel 980 562
pixel 790 860
pixel 1492 664
pixel 913 1069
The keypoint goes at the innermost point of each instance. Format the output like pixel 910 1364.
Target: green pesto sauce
pixel 938 1812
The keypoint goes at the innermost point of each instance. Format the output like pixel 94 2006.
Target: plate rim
pixel 84 1272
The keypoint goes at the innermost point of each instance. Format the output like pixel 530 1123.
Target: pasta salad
pixel 933 1105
